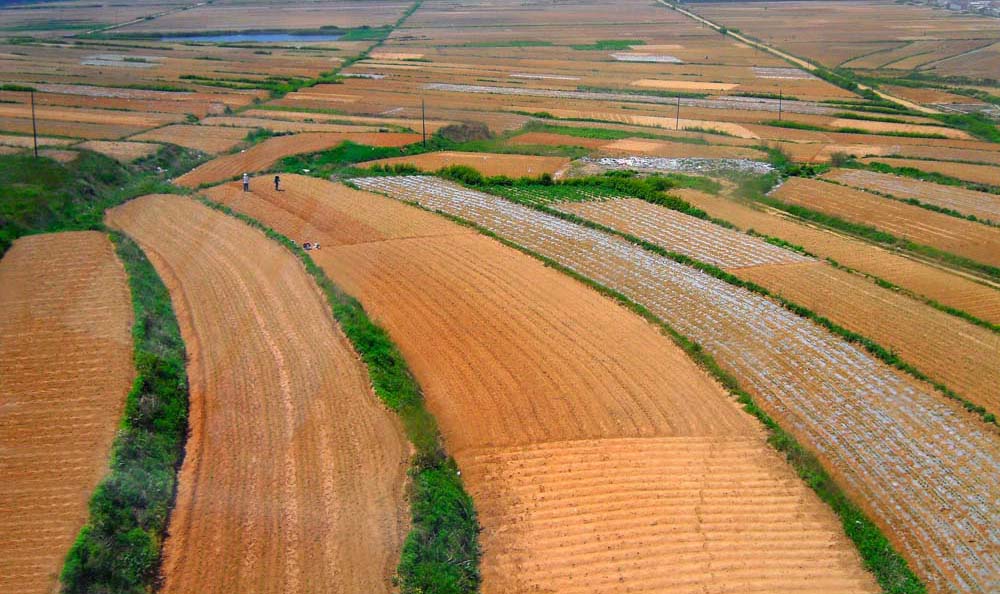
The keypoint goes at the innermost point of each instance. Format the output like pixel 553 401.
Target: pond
pixel 251 37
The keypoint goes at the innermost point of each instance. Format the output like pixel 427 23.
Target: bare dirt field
pixel 981 204
pixel 656 148
pixel 515 376
pixel 294 470
pixel 65 370
pixel 831 394
pixel 126 152
pixel 983 174
pixel 552 139
pixel 270 151
pixel 217 139
pixel 903 128
pixel 923 279
pixel 485 163
pixel 951 234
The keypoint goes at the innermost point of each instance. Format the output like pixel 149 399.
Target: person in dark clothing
pixel 246 182
pixel 277 183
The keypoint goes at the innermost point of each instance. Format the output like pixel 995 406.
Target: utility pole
pixel 779 104
pixel 677 116
pixel 34 126
pixel 423 120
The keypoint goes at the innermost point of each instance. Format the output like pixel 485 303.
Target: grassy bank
pixel 42 195
pixel 441 553
pixel 118 550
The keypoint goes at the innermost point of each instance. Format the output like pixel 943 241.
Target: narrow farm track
pixel 294 474
pixel 272 150
pixel 523 367
pixel 65 370
pixel 923 279
pixel 957 353
pixel 923 468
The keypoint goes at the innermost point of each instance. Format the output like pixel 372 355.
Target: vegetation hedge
pixel 118 550
pixel 441 553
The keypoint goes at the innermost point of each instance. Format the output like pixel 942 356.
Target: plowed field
pixel 682 233
pixel 951 234
pixel 126 152
pixel 552 139
pixel 963 356
pixel 980 204
pixel 871 126
pixel 923 279
pixel 630 146
pixel 520 363
pixel 872 425
pixel 270 151
pixel 983 174
pixel 485 163
pixel 216 139
pixel 65 369
pixel 294 473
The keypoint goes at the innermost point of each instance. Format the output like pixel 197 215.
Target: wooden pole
pixel 423 120
pixel 34 126
pixel 677 116
pixel 779 104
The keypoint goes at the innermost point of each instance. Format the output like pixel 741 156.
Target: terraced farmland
pixel 919 465
pixel 981 204
pixel 952 351
pixel 601 459
pixel 65 369
pixel 294 470
pixel 924 279
pixel 964 238
pixel 270 151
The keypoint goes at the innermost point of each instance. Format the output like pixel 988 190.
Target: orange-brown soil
pixel 485 163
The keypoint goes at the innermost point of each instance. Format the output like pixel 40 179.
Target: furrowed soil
pixel 955 352
pixel 964 238
pixel 270 151
pixel 567 414
pixel 919 464
pixel 216 139
pixel 65 370
pixel 126 152
pixel 983 174
pixel 486 163
pixel 923 279
pixel 293 480
pixel 981 204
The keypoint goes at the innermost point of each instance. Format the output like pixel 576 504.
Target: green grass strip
pixel 118 550
pixel 889 567
pixel 441 553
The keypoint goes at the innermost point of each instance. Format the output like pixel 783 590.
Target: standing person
pixel 277 183
pixel 246 182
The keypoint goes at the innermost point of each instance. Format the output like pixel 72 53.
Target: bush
pixel 465 132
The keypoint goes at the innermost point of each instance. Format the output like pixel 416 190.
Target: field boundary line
pixel 878 554
pixel 150 444
pixel 442 546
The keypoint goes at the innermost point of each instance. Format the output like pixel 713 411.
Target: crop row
pixel 917 464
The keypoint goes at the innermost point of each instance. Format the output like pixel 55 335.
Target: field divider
pixel 120 546
pixel 887 356
pixel 879 556
pixel 441 553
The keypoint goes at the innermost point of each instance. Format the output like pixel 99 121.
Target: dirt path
pixel 65 370
pixel 294 474
pixel 797 61
pixel 600 457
